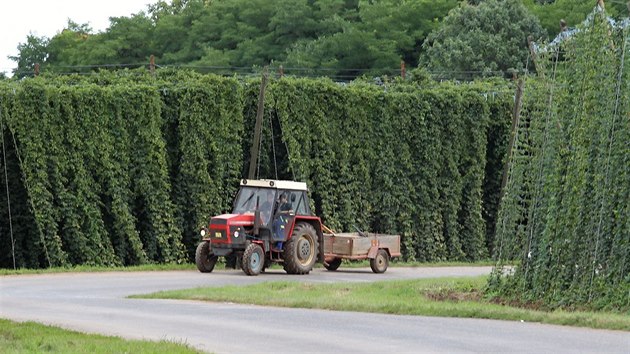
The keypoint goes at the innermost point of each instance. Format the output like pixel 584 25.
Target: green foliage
pixel 302 35
pixel 565 214
pixel 123 168
pixel 573 12
pixel 404 162
pixel 385 33
pixel 482 40
pixel 209 151
pixel 34 50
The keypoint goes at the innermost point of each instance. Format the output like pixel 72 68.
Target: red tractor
pixel 271 222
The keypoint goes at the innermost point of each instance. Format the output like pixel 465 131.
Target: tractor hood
pixel 233 220
pixel 228 228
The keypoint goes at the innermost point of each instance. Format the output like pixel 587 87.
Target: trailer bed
pixel 354 246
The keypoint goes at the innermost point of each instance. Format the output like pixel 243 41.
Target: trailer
pixel 378 248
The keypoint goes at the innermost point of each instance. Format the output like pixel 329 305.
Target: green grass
pixel 446 297
pixel 86 269
pixel 30 337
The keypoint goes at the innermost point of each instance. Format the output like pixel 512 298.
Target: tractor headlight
pixel 203 232
pixel 236 234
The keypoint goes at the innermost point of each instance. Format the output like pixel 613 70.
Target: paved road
pixel 96 303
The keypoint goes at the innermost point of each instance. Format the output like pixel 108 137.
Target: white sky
pixel 46 18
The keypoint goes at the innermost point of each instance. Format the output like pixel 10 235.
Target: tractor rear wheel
pixel 333 265
pixel 253 259
pixel 204 259
pixel 380 263
pixel 300 251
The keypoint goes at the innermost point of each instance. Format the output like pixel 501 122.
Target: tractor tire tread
pixel 204 261
pixel 292 264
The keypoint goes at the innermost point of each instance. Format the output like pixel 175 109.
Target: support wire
pixel 6 180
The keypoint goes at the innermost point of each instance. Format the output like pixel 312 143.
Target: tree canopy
pixel 489 39
pixel 342 39
pixel 300 34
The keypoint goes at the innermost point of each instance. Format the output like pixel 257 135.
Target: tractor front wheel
pixel 300 251
pixel 253 259
pixel 380 263
pixel 204 259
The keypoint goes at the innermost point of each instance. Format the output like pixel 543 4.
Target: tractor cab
pixel 274 203
pixel 271 221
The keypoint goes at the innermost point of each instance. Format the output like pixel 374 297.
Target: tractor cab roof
pixel 275 184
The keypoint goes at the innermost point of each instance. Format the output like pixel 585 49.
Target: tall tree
pixel 384 33
pixel 34 50
pixel 333 34
pixel 489 39
pixel 66 47
pixel 128 40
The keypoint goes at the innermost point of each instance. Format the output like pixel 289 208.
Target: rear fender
pixel 374 249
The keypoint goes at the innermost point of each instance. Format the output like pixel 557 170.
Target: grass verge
pixel 87 269
pixel 31 337
pixel 445 297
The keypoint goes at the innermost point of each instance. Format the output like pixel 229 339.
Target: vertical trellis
pixel 611 137
pixel 568 187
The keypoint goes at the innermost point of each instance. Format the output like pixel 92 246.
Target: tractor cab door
pixel 290 203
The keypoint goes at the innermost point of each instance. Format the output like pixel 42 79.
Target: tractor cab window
pixel 300 204
pixel 293 201
pixel 249 198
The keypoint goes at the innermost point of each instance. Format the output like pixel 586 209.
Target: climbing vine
pixel 403 162
pixel 124 167
pixel 564 217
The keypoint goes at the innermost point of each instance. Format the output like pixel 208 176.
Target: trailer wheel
pixel 300 251
pixel 204 259
pixel 380 263
pixel 333 265
pixel 253 259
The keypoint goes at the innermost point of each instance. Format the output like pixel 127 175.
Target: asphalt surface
pixel 95 302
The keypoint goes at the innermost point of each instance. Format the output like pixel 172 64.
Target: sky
pixel 46 18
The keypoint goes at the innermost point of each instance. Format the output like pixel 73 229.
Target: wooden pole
pixel 403 70
pixel 254 151
pixel 516 114
pixel 36 69
pixel 601 4
pixel 152 64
